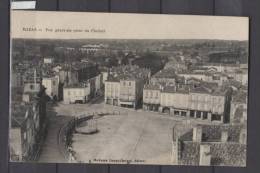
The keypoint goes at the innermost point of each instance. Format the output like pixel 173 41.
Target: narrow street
pixel 50 151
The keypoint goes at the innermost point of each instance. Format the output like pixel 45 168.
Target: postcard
pixel 114 88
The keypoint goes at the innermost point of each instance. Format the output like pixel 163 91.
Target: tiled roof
pixel 222 154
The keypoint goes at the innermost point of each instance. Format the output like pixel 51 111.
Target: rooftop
pixel 128 72
pixel 152 87
pixel 166 73
pixel 203 87
pixel 77 85
pixel 222 153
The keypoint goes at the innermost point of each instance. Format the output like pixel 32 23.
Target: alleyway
pixel 50 150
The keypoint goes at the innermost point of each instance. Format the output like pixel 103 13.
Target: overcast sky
pixel 127 26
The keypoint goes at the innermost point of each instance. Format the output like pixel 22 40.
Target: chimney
pixel 224 136
pixel 205 155
pixel 197 134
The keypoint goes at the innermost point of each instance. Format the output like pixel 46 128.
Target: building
pixel 164 77
pixel 79 93
pixel 224 68
pixel 85 70
pixel 48 60
pixel 124 86
pixel 51 83
pixel 151 97
pixel 92 48
pixel 68 76
pixel 104 76
pixel 240 76
pixel 32 81
pixel 213 77
pixel 205 145
pixel 131 92
pixel 16 79
pixel 124 92
pixel 112 92
pixel 28 126
pixel 225 57
pixel 238 110
pixel 200 102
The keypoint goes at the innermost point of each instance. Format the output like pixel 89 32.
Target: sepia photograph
pixel 106 88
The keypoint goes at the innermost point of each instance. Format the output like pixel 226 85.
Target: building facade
pixel 187 101
pixel 151 97
pixel 124 86
pixel 76 94
pixel 28 127
pixel 112 92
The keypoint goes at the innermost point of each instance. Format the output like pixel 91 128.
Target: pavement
pixel 135 136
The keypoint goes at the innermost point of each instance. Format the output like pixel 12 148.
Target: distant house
pixel 48 60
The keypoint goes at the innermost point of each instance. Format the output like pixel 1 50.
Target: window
pixel 129 83
pixel 198 114
pixel 205 115
pixel 216 117
pixel 216 77
pixel 68 93
pixel 192 113
pixel 53 83
pixel 183 113
pixel 176 112
pixel 31 87
pixel 157 94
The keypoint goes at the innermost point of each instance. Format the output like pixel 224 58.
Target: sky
pixel 81 25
